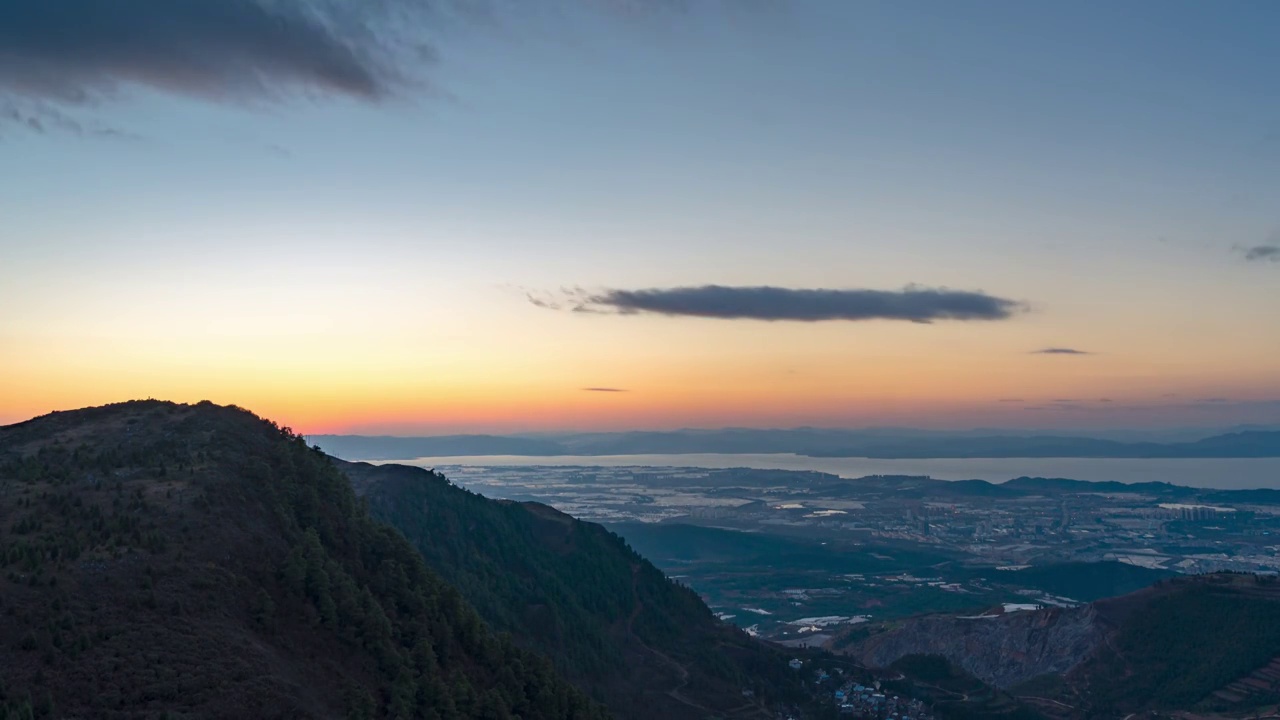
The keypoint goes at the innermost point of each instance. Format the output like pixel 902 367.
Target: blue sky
pixel 1106 165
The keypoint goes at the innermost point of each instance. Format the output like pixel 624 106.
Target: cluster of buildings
pixel 856 700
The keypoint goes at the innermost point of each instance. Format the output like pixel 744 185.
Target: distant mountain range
pixel 886 444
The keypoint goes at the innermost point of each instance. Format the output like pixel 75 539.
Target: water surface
pixel 1221 473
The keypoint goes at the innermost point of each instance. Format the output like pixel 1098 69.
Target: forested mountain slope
pixel 177 561
pixel 610 620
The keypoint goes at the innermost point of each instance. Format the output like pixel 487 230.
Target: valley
pixel 795 556
pixel 313 587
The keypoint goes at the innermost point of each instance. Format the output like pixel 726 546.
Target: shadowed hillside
pixel 610 619
pixel 1182 641
pixel 177 561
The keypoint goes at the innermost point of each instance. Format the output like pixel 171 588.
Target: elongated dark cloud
pixel 79 51
pixel 1262 253
pixel 1057 403
pixel 914 304
pixel 1060 351
pixel 604 389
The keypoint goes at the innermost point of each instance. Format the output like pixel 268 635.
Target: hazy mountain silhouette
pixel 813 442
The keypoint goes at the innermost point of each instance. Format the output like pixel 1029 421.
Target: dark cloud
pixel 1011 400
pixel 1262 253
pixel 604 390
pixel 914 304
pixel 61 55
pixel 80 51
pixel 1060 351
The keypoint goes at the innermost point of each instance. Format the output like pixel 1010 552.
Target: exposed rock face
pixel 1003 650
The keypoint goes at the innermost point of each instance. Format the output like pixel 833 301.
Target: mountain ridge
pixel 198 561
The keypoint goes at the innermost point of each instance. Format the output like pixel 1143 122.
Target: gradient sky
pixel 347 255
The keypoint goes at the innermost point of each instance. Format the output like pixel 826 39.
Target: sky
pixel 403 216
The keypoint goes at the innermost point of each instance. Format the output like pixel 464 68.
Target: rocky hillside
pixel 1203 643
pixel 997 648
pixel 610 620
pixel 177 561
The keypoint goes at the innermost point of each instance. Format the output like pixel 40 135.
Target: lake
pixel 1221 473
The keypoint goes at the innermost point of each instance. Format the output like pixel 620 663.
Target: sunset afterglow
pixel 419 262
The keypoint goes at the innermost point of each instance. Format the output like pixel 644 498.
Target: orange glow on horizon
pixel 529 376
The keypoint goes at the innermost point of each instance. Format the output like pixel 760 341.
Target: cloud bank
pixel 913 303
pixel 604 389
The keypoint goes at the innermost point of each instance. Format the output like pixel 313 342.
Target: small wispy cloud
pixel 1267 251
pixel 44 118
pixel 543 300
pixel 912 303
pixel 605 390
pixel 1077 404
pixel 1229 405
pixel 1060 351
pixel 1261 253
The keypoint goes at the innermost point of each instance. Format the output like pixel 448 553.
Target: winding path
pixel 675 693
